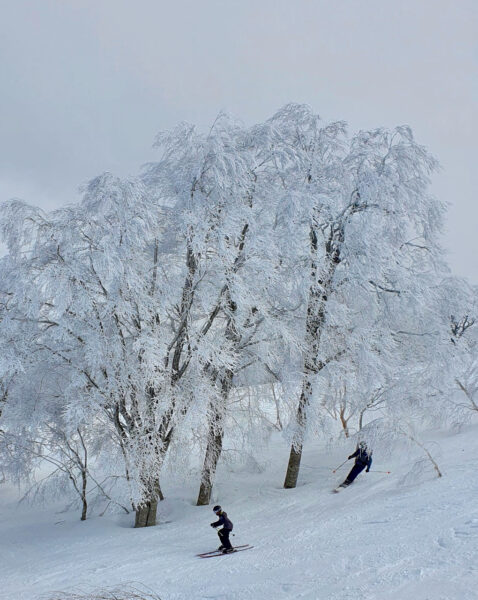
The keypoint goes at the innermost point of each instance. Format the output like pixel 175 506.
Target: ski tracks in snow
pixel 378 539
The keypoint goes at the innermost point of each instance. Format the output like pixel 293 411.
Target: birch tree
pixel 366 201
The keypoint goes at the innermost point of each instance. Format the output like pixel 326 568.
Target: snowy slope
pixel 388 537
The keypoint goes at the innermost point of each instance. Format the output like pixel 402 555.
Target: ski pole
pixel 337 468
pixel 388 472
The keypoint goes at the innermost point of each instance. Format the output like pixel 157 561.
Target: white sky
pixel 86 84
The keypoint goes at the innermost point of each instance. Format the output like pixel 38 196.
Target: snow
pixel 407 535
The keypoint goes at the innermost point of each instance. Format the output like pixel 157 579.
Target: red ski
pixel 220 553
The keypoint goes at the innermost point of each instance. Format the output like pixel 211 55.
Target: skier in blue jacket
pixel 363 459
pixel 223 533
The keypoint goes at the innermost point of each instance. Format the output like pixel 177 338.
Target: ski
pixel 220 553
pixel 338 489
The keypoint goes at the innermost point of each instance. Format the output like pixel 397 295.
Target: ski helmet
pixel 363 445
pixel 217 508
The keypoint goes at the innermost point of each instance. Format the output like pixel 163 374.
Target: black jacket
pixel 223 521
pixel 362 458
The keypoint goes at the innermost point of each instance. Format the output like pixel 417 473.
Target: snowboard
pixel 220 553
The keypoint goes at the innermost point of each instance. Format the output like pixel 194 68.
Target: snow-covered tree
pixel 361 212
pixel 218 186
pixel 286 254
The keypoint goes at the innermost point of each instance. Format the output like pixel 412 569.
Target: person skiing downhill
pixel 223 533
pixel 363 459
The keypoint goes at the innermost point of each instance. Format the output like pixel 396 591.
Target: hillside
pixel 407 535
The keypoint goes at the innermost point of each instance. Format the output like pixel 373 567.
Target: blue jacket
pixel 362 458
pixel 223 521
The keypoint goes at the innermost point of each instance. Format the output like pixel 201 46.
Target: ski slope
pixel 407 535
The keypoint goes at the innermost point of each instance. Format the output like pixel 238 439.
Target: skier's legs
pixel 356 470
pixel 224 537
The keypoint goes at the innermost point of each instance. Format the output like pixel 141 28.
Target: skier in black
pixel 223 533
pixel 363 458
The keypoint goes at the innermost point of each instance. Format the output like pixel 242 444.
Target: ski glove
pixel 367 470
pixel 213 526
pixel 349 457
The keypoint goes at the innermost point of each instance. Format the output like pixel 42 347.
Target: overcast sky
pixel 86 84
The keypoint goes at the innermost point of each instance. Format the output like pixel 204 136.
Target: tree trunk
pixel 146 512
pixel 295 456
pixel 360 423
pixel 83 495
pixel 344 422
pixel 213 452
pixel 293 467
pixel 319 291
pixel 215 439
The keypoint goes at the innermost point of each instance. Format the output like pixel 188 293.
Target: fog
pixel 85 85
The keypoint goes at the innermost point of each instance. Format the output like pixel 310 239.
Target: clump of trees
pixel 288 266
